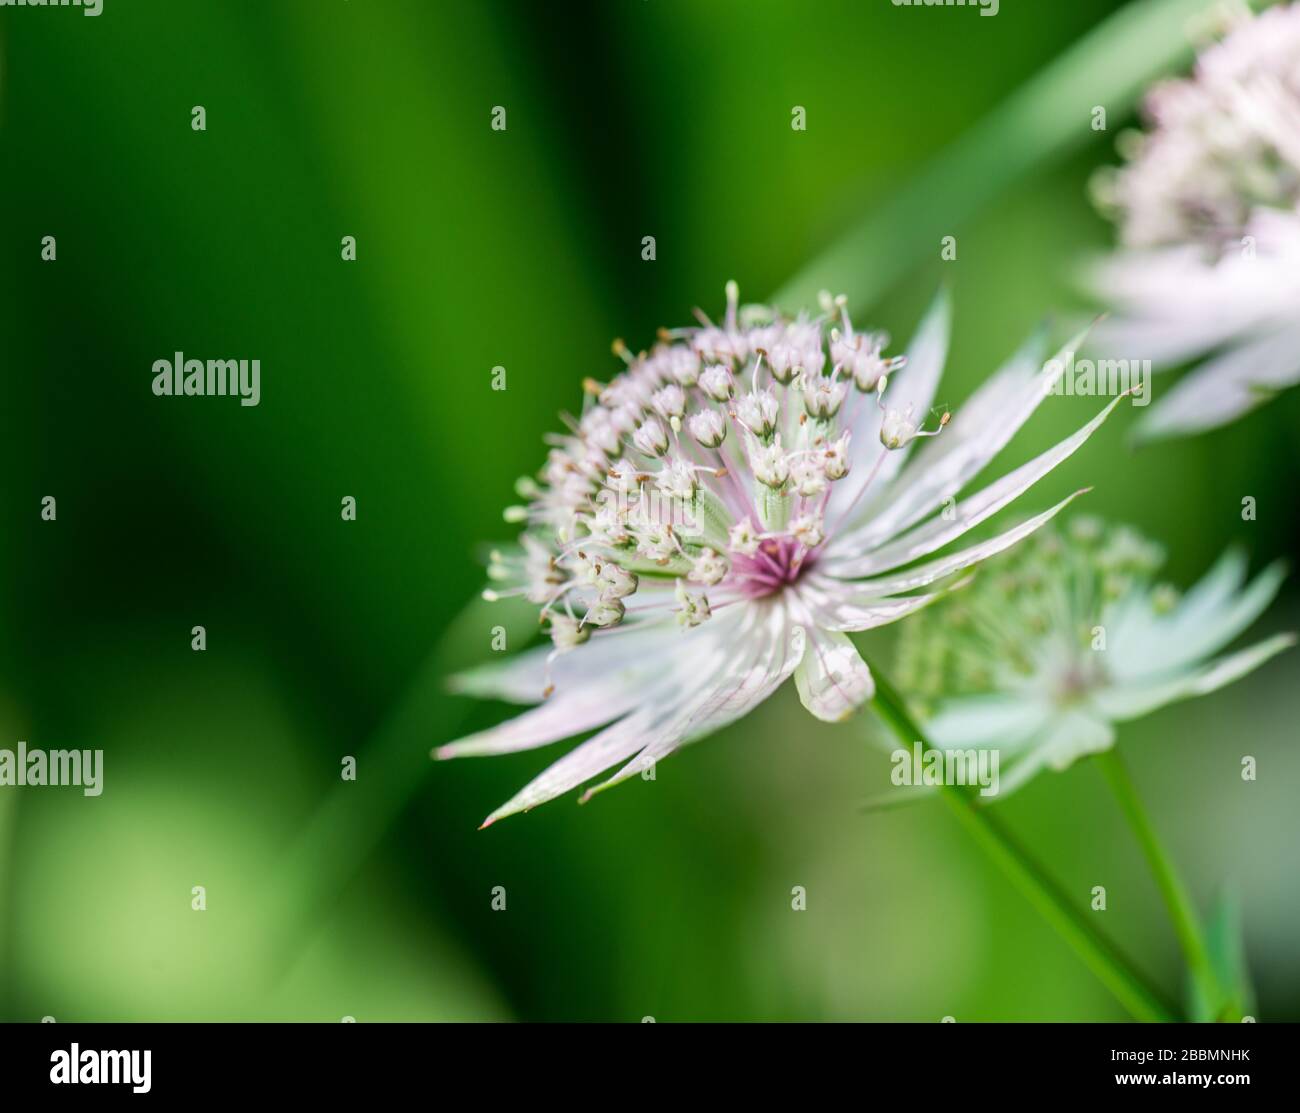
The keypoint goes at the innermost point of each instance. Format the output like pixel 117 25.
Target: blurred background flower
pixel 1067 635
pixel 1206 211
pixel 523 249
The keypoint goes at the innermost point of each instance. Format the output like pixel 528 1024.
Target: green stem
pixel 1181 909
pixel 1101 956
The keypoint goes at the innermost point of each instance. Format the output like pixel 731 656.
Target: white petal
pixel 978 431
pixel 970 512
pixel 1172 304
pixel 695 694
pixel 832 679
pixel 1068 737
pixel 562 716
pixel 611 745
pixel 522 677
pixel 594 685
pixel 997 719
pixel 916 383
pixel 925 574
pixel 1215 589
pixel 777 648
pixel 1133 701
pixel 1169 306
pixel 1224 388
pixel 1212 613
pixel 835 604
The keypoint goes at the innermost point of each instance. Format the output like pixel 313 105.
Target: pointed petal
pixel 1225 387
pixel 832 679
pixel 916 384
pixel 611 745
pixel 979 430
pixel 594 685
pixel 925 574
pixel 1211 616
pixel 563 716
pixel 686 682
pixel 835 605
pixel 1169 305
pixel 778 648
pixel 938 532
pixel 927 352
pixel 1133 701
pixel 522 677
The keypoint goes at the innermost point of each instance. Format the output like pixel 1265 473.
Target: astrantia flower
pixel 724 511
pixel 1069 634
pixel 1208 208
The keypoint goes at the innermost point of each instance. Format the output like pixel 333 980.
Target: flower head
pixel 1208 209
pixel 1219 144
pixel 724 511
pixel 1069 634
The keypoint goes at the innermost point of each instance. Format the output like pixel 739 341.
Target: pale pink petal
pixel 1226 387
pixel 979 430
pixel 683 682
pixel 925 574
pixel 970 512
pixel 775 649
pixel 916 383
pixel 837 605
pixel 832 679
pixel 523 678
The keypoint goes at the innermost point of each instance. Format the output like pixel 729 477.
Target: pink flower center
pixel 778 563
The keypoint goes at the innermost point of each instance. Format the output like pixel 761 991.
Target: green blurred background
pixel 327 638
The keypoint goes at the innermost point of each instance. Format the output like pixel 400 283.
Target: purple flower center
pixel 778 563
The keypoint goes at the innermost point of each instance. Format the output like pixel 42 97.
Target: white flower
pixel 758 412
pixel 709 427
pixel 808 474
pixel 860 357
pixel 1208 207
pixel 710 568
pixel 742 538
pixel 718 383
pixel 678 479
pixel 784 576
pixel 669 402
pixel 692 607
pixel 822 396
pixel 807 530
pixel 650 438
pixel 614 581
pixel 605 611
pixel 771 465
pixel 899 428
pixel 1068 635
